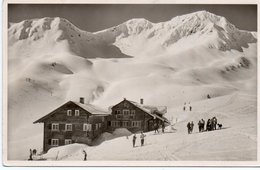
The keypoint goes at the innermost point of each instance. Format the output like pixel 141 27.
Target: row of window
pixel 126 123
pixel 68 126
pixel 125 112
pixel 55 142
pixel 69 112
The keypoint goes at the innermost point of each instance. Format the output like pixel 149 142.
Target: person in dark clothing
pixel 209 125
pixel 200 125
pixel 191 126
pixel 188 127
pixel 163 127
pixel 30 157
pixel 190 108
pixel 156 127
pixel 184 108
pixel 85 155
pixel 134 139
pixel 142 138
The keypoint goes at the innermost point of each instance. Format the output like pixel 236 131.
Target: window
pixel 125 112
pixel 55 127
pixel 68 127
pixel 99 125
pixel 136 123
pixel 68 141
pixel 117 112
pixel 125 123
pixel 69 113
pixel 103 119
pixel 132 114
pixel 54 142
pixel 118 116
pixel 76 112
pixel 115 123
pixel 86 127
pixel 96 126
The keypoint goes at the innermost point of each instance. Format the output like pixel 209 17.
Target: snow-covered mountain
pixel 182 60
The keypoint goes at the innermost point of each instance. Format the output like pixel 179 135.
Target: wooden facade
pixel 72 123
pixel 76 122
pixel 134 116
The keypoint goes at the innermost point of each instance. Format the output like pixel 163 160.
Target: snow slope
pixel 236 112
pixel 50 61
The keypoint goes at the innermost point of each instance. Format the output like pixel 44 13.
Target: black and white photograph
pixel 138 83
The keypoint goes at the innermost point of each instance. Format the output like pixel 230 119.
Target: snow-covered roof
pixel 94 110
pixel 148 108
pixel 152 109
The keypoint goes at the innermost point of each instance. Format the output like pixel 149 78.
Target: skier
pixel 188 127
pixel 191 126
pixel 134 139
pixel 85 155
pixel 142 138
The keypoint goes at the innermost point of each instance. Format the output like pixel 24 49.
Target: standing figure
pixel 163 127
pixel 190 108
pixel 214 123
pixel 156 127
pixel 191 126
pixel 184 108
pixel 30 157
pixel 134 139
pixel 188 127
pixel 142 138
pixel 208 128
pixel 202 124
pixel 85 155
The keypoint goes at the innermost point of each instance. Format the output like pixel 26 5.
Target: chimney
pixel 81 100
pixel 141 101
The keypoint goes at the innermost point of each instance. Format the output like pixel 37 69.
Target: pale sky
pixel 96 17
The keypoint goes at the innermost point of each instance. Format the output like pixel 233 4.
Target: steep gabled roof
pixel 94 110
pixel 151 110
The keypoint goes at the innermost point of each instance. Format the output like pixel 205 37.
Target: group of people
pixel 157 127
pixel 32 153
pixel 210 125
pixel 188 107
pixel 142 136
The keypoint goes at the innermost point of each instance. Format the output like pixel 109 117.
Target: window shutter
pixel 49 126
pixel 49 142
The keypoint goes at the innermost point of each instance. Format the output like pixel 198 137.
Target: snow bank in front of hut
pixel 62 152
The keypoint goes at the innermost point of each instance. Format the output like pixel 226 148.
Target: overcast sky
pixel 95 17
